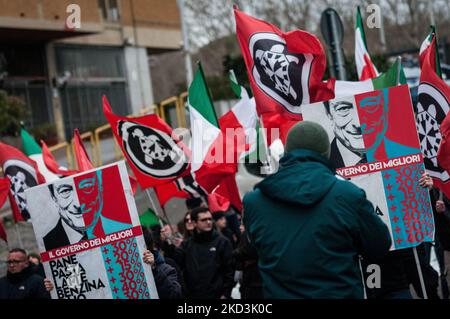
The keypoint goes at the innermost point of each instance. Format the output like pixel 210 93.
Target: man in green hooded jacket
pixel 310 226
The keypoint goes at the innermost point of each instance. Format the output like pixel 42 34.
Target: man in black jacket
pixel 206 259
pixel 21 282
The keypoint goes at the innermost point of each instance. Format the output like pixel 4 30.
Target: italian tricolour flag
pixel 242 119
pixel 207 144
pixel 364 66
pixel 247 117
pixel 435 64
pixel 205 128
pixel 34 151
pixel 392 77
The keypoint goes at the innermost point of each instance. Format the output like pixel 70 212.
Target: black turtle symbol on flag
pixel 152 151
pixel 278 72
pixel 432 107
pixel 22 177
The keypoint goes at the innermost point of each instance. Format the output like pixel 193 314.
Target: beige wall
pixel 152 12
pixel 18 7
pixel 154 38
pixel 147 37
pixel 89 9
pixel 52 10
pixel 157 21
pixel 156 12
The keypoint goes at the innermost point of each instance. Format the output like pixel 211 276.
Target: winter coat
pixel 441 220
pixel 309 226
pixel 247 258
pixel 166 279
pixel 228 234
pixel 24 285
pixel 180 277
pixel 394 270
pixel 38 269
pixel 207 265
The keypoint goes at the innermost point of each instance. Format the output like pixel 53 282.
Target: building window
pixel 23 74
pixel 93 71
pixel 109 10
pixel 83 62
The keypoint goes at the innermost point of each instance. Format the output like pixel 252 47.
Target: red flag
pixel 284 68
pixel 228 189
pixel 4 191
pixel 168 191
pixel 183 187
pixel 82 157
pixel 432 108
pixel 5 185
pixel 155 154
pixel 22 173
pixel 236 132
pixel 188 187
pixel 443 155
pixel 217 202
pixel 238 141
pixel 211 174
pixel 51 163
pixel 134 183
pixel 2 231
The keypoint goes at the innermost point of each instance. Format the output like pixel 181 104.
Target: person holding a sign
pixel 309 225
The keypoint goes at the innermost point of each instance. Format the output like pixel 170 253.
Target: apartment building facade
pixel 61 68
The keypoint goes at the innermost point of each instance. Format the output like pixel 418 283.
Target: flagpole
pixel 266 145
pixel 147 190
pixel 362 277
pixel 419 271
pixel 152 203
pixel 399 67
pixel 162 208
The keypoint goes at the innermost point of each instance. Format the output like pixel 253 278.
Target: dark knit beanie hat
pixel 194 202
pixel 308 135
pixel 218 215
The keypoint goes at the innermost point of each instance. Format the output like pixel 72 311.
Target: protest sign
pixel 374 143
pixel 89 236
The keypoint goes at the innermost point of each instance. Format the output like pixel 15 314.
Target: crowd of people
pixel 304 233
pixel 205 258
pixel 209 258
